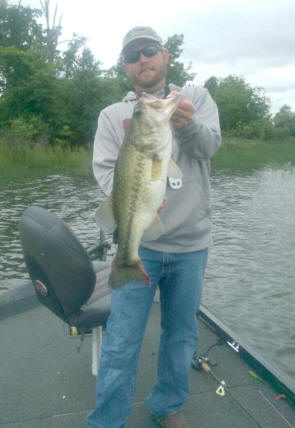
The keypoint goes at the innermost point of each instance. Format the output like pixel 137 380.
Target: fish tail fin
pixel 121 275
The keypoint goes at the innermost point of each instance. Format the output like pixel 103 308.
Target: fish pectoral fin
pixel 173 170
pixel 104 216
pixel 156 169
pixel 155 229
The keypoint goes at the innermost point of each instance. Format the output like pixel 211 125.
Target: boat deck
pixel 46 383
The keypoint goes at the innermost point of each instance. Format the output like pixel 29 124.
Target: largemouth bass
pixel 139 186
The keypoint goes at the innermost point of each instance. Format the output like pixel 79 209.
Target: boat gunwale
pixel 267 369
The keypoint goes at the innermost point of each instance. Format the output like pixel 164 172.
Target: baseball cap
pixel 140 32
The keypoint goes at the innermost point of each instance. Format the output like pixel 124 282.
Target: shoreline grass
pixel 30 161
pixel 244 156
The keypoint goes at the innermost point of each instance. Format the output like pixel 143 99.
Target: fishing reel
pixel 198 362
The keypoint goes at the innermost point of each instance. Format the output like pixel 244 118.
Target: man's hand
pixel 184 112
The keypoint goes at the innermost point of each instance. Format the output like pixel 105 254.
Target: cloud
pixel 231 34
pixel 253 39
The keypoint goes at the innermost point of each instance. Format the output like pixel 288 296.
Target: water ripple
pixel 250 276
pixel 251 270
pixel 72 199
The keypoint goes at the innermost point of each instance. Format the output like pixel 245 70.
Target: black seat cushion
pixel 59 266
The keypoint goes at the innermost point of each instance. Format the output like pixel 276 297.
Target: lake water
pixel 250 277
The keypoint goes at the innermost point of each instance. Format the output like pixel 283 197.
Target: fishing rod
pixel 203 363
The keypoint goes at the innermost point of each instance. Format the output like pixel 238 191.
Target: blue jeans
pixel 179 277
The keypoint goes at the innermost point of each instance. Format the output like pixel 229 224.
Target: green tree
pixel 240 105
pixel 285 120
pixel 29 89
pixel 118 73
pixel 19 27
pixel 23 75
pixel 177 73
pixel 69 61
pixel 81 89
pixel 44 92
pixel 212 84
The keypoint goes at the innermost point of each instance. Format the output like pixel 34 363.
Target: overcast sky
pixel 254 39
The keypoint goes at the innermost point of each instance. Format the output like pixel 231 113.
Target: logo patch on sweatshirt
pixel 175 183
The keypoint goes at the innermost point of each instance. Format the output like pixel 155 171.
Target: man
pixel 175 262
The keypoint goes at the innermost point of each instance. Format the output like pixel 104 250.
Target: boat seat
pixel 61 271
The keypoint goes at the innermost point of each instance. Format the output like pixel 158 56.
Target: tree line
pixel 51 91
pixel 245 111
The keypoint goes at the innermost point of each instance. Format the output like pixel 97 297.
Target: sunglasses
pixel 130 57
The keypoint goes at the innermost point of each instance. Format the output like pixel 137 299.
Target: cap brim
pixel 138 39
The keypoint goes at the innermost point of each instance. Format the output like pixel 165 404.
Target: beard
pixel 148 78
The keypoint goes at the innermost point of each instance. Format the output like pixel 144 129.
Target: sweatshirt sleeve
pixel 105 152
pixel 201 137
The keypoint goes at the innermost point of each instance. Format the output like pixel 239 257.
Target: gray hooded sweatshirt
pixel 186 215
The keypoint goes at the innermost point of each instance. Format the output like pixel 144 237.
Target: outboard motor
pixel 62 272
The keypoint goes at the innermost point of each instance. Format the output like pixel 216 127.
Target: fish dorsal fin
pixel 155 229
pixel 104 216
pixel 173 170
